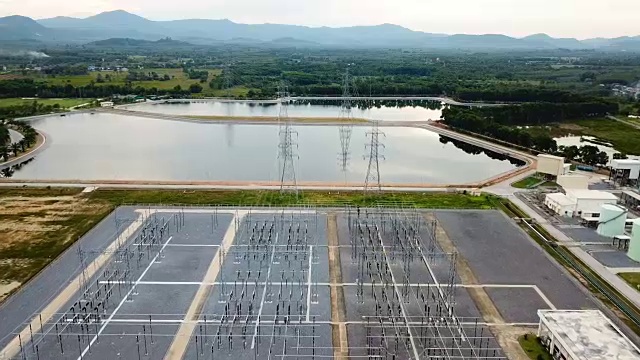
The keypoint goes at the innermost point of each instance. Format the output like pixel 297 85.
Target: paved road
pixel 622 287
pixel 15 136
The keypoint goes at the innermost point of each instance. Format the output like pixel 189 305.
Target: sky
pixel 559 18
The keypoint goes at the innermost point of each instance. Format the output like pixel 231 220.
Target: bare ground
pixel 36 229
pixel 338 310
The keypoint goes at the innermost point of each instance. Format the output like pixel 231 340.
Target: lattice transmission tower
pixel 372 181
pixel 287 147
pixel 346 122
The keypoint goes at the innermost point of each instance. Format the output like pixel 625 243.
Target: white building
pixel 578 202
pixel 106 104
pixel 560 204
pixel 627 168
pixel 584 335
pixel 573 182
pixel 550 165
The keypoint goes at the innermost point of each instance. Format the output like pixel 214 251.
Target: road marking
pixel 309 281
pixel 95 337
pixel 264 293
pixel 543 297
pixel 183 335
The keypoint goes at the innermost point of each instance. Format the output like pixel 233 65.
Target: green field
pixel 632 279
pixel 64 103
pixel 274 198
pixel 533 347
pixel 526 183
pixel 622 136
pixel 178 77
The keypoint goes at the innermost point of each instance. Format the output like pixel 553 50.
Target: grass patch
pixel 632 279
pixel 533 347
pixel 526 183
pixel 622 136
pixel 178 77
pixel 274 198
pixel 64 103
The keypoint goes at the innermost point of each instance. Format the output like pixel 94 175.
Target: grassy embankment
pixel 526 183
pixel 37 225
pixel 624 137
pixel 533 348
pixel 178 77
pixel 632 279
pixel 64 103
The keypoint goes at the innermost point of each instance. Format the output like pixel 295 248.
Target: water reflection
pixel 476 150
pixel 401 110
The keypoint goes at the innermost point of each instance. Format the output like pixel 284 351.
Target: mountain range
pixel 121 24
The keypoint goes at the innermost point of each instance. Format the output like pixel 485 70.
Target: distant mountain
pixel 123 25
pixel 20 27
pixel 565 43
pixel 126 42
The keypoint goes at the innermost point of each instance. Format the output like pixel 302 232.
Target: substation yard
pixel 304 283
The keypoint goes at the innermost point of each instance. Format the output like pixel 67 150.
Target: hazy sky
pixel 570 18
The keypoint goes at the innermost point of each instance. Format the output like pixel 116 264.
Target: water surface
pixel 116 147
pixel 298 109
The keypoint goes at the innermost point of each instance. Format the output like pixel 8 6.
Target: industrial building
pixel 576 202
pixel 553 166
pixel 625 171
pixel 631 199
pixel 583 334
pixel 568 182
pixel 634 241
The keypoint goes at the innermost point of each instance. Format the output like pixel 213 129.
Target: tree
pixel 4 152
pixel 195 88
pixel 166 77
pixel 570 152
pixel 589 154
pixel 620 156
pixel 23 144
pixel 99 79
pixel 15 148
pixel 602 158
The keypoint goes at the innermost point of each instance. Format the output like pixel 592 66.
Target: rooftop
pixel 589 335
pixel 561 199
pixel 632 194
pixel 591 194
pixel 625 162
pixel 550 157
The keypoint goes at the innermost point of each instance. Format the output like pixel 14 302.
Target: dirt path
pixel 338 310
pixel 507 336
pixel 183 336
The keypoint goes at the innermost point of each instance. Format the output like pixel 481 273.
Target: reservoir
pixel 380 110
pixel 106 146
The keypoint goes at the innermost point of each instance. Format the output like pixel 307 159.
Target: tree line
pixel 506 122
pixel 8 149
